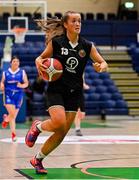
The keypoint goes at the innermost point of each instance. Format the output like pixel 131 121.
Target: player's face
pixel 73 24
pixel 15 64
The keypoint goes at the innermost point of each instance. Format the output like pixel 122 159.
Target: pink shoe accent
pixel 32 134
pixel 4 123
pixel 37 164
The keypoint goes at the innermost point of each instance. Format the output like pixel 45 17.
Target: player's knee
pixel 60 122
pixel 12 116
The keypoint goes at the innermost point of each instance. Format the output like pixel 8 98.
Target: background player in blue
pixel 13 81
pixel 63 96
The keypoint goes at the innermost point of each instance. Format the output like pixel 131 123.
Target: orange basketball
pixel 53 71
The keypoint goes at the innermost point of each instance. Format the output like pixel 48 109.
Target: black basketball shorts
pixel 71 99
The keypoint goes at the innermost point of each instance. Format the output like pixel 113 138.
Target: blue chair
pixel 116 111
pixel 108 82
pixel 93 111
pixel 58 14
pixel 92 104
pixel 131 48
pixel 37 16
pixel 88 69
pixel 117 96
pixel 23 50
pixel 38 97
pixel 112 89
pixel 34 70
pixel 28 14
pixel 88 81
pixel 111 16
pixel 101 89
pixel 38 109
pixel 29 44
pixel 15 50
pixel 92 89
pixel 97 82
pixel 94 97
pixel 1 51
pixel 108 104
pixel 89 16
pixel 104 75
pixel 105 96
pixel 49 15
pixel 34 50
pixel 93 75
pixel 86 76
pixel 121 104
pixel 31 81
pixel 86 97
pixel 40 44
pixel 100 16
pixel 27 69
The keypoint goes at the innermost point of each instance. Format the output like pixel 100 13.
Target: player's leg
pixel 79 116
pixel 18 100
pixel 13 125
pixel 8 117
pixel 56 124
pixel 58 135
pixel 52 142
pixel 59 123
pixel 13 107
pixel 58 118
pixel 12 113
pixel 7 101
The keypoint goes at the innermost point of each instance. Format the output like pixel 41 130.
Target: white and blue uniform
pixel 12 93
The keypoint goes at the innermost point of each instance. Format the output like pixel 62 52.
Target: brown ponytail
pixel 54 26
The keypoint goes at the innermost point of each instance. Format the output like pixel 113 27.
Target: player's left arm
pixel 47 53
pixel 2 87
pixel 25 81
pixel 100 65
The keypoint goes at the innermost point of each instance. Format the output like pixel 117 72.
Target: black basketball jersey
pixel 73 59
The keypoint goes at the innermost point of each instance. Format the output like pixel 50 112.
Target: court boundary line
pixel 23 174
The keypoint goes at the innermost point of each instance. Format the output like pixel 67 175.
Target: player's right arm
pixel 2 82
pixel 47 53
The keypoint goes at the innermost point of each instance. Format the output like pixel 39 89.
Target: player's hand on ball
pixel 49 69
pixel 40 66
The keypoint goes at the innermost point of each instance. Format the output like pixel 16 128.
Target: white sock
pixel 40 155
pixel 39 127
pixel 77 128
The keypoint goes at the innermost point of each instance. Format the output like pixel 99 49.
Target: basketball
pixel 53 69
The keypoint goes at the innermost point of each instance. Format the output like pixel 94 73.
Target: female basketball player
pixel 63 96
pixel 13 81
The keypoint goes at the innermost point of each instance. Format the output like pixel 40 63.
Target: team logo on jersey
pixel 82 53
pixel 71 64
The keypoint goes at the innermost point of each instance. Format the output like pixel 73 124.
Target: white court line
pixel 102 139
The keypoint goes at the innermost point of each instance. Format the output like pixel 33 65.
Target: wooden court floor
pixel 114 145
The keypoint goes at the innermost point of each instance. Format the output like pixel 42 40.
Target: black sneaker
pixel 78 132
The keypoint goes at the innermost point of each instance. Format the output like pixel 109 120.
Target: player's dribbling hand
pixel 100 67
